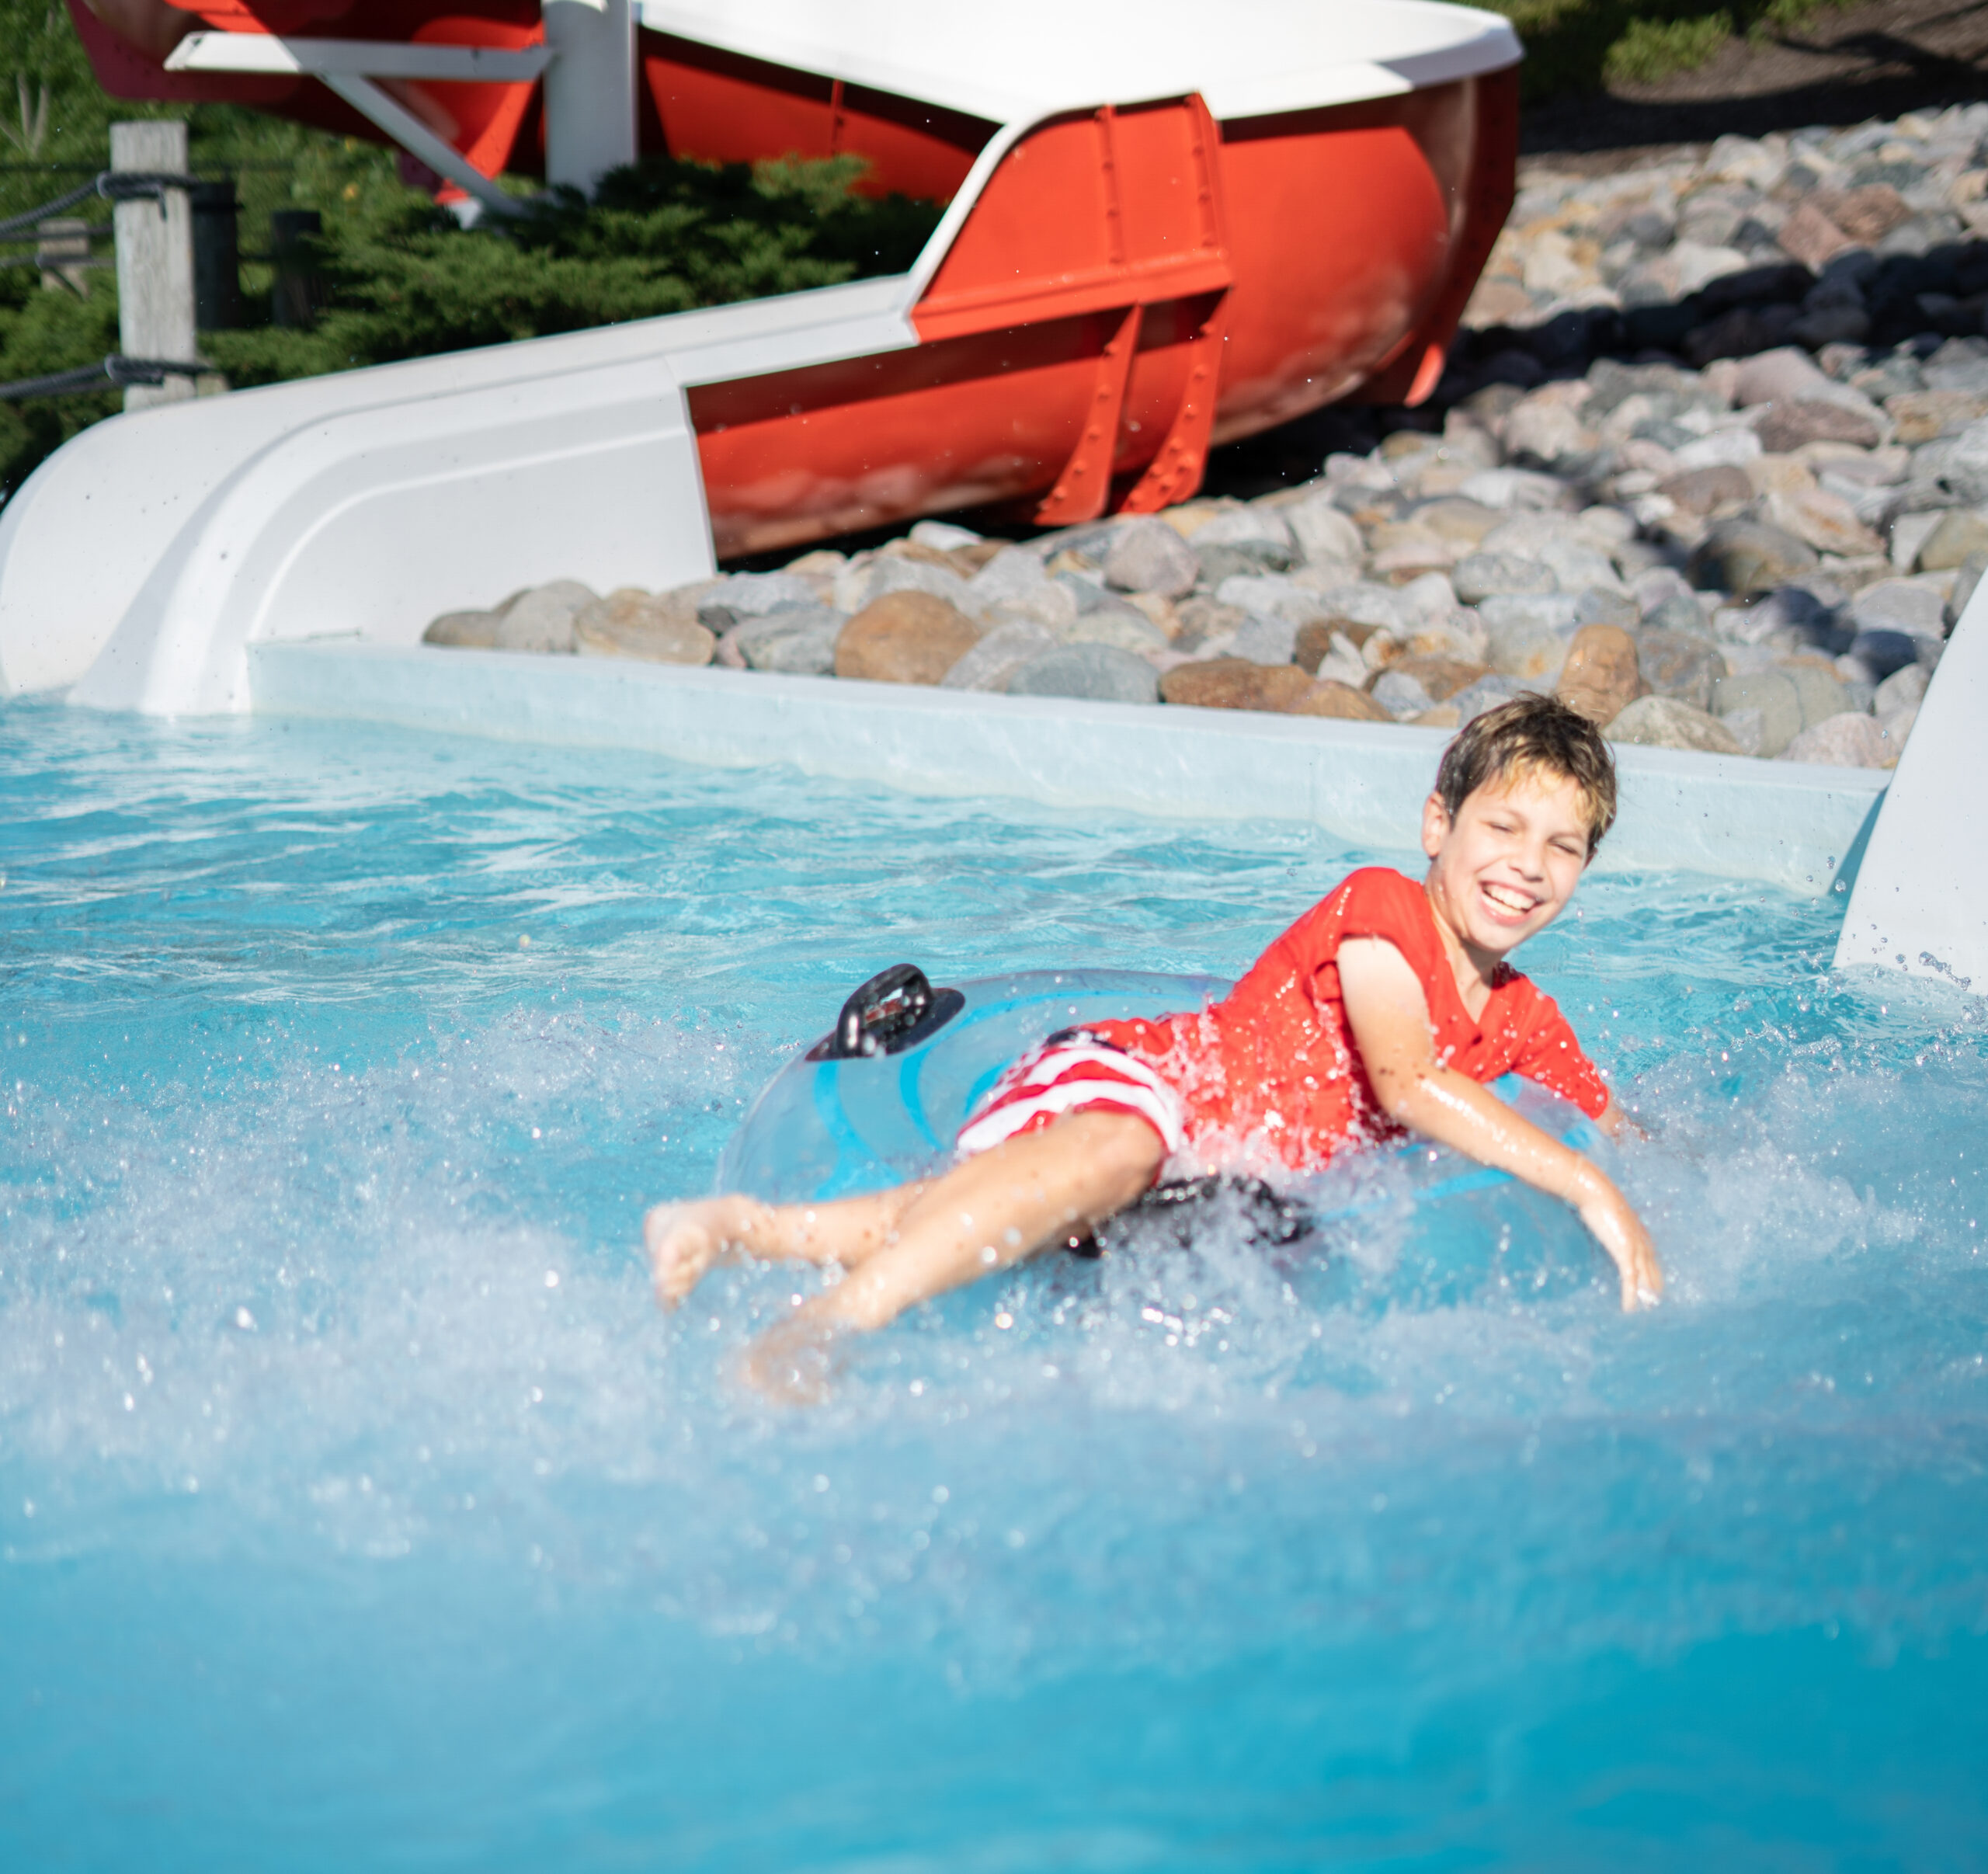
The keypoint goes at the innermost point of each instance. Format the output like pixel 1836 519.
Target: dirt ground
pixel 1876 60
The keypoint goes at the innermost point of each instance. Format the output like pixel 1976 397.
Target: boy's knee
pixel 1121 1153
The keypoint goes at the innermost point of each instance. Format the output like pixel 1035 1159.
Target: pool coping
pixel 1801 827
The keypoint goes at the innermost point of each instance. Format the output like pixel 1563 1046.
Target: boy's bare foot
pixel 685 1240
pixel 792 1365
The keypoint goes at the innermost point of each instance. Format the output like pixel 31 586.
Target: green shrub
pixel 1653 49
pixel 404 281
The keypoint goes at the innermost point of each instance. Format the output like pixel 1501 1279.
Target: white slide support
pixel 1920 901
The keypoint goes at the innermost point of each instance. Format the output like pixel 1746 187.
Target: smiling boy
pixel 1387 1006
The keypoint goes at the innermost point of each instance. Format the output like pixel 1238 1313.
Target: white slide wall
pixel 1920 902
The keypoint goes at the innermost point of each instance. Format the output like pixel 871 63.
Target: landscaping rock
pixel 1328 697
pixel 1233 682
pixel 1670 722
pixel 1479 576
pixel 1093 673
pixel 630 623
pixel 1746 557
pixel 464 631
pixel 1487 692
pixel 1680 666
pixel 995 659
pixel 542 619
pixel 799 641
pixel 862 585
pixel 1147 555
pixel 1600 678
pixel 904 637
pixel 1773 695
pixel 1956 537
pixel 1846 741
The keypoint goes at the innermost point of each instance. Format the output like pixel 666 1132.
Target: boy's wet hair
pixel 1531 734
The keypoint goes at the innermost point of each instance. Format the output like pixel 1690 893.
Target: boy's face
pixel 1505 866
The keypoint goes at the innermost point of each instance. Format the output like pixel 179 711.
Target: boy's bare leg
pixel 984 1214
pixel 685 1240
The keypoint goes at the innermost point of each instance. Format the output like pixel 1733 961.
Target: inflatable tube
pixel 878 1100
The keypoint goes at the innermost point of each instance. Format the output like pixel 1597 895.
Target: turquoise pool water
pixel 357 1510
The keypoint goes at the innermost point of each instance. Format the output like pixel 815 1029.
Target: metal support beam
pixel 412 135
pixel 589 91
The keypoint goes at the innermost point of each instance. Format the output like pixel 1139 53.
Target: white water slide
pixel 140 561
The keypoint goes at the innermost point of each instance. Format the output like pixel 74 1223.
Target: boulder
pixel 753 595
pixel 1699 491
pixel 1265 640
pixel 1820 691
pixel 1440 677
pixel 1904 688
pixel 1681 666
pixel 1479 576
pixel 1113 624
pixel 1827 522
pixel 1234 682
pixel 630 623
pixel 1487 692
pixel 464 631
pixel 1959 535
pixel 1668 722
pixel 1786 426
pixel 1014 577
pixel 1323 533
pixel 1844 741
pixel 1399 694
pixel 1147 555
pixel 995 659
pixel 1747 557
pixel 799 641
pixel 1094 672
pixel 1600 678
pixel 1327 696
pixel 904 637
pixel 1772 693
pixel 541 619
pixel 1900 605
pixel 861 585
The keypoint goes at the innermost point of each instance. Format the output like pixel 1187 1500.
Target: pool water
pixel 357 1509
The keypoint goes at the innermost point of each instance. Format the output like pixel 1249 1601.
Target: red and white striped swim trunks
pixel 1073 1072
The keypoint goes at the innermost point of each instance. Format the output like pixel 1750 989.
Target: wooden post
pixel 155 260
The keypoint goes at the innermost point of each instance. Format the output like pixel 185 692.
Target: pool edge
pixel 1789 825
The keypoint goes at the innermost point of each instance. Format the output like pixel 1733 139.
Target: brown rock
pixel 1787 425
pixel 1920 416
pixel 1600 678
pixel 1825 521
pixel 904 638
pixel 1960 535
pixel 1809 236
pixel 630 623
pixel 1698 491
pixel 1679 664
pixel 1747 557
pixel 1315 640
pixel 464 631
pixel 1865 214
pixel 1442 677
pixel 967 560
pixel 1328 697
pixel 1234 682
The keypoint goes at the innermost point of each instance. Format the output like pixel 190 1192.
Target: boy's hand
pixel 1620 1231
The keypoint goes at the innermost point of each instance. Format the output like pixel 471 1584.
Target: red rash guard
pixel 1275 1062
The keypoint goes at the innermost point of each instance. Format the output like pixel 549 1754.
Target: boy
pixel 1388 1005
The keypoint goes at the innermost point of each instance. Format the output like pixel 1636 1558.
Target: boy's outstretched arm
pixel 1389 1014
